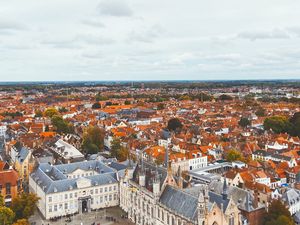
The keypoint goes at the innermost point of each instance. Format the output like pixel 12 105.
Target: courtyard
pixel 109 216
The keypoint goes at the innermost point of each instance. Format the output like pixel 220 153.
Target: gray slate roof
pixel 54 179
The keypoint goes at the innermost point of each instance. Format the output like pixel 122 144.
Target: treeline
pixel 282 124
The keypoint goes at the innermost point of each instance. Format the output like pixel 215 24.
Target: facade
pixel 152 195
pixel 75 188
pixel 10 183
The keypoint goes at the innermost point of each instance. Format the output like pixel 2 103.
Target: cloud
pixel 93 23
pixel 259 35
pixel 117 8
pixel 146 35
pixel 8 27
pixel 94 39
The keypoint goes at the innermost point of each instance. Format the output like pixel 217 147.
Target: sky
pixel 73 40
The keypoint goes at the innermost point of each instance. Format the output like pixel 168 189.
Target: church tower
pixel 202 205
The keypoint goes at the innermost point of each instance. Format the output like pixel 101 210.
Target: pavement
pixel 97 217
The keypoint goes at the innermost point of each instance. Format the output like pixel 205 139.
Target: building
pixel 66 152
pixel 76 187
pixel 152 195
pixel 10 183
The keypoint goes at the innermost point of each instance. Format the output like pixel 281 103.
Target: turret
pixel 225 191
pixel 156 184
pixel 202 206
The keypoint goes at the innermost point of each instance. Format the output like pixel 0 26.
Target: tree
pixel 6 215
pixel 38 113
pixel 61 125
pixel 118 151
pixel 260 112
pixel 1 201
pixel 24 205
pixel 127 102
pixel 160 106
pixel 50 112
pixel 278 214
pixel 244 122
pixel 62 109
pixel 225 97
pixel 93 140
pixel 99 97
pixel 278 124
pixel 21 222
pixel 96 105
pixel 115 147
pixel 174 124
pixel 295 124
pixel 233 155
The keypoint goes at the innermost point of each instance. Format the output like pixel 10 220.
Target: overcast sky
pixel 149 39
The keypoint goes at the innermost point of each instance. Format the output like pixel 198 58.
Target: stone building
pixel 76 187
pixel 152 195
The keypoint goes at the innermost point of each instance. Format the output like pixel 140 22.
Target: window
pixel 50 209
pixel 110 197
pixel 101 190
pixel 115 187
pixel 66 196
pixel 109 188
pixel 66 205
pixel 75 194
pixel 96 191
pixel 101 199
pixel 231 220
pixel 92 201
pixel 49 199
pixel 105 189
pixel 71 195
pixel 8 186
pixel 55 208
pixel 105 198
pixel 115 196
pixel 92 192
pixel 60 206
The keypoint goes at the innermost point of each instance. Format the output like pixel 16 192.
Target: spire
pixel 225 191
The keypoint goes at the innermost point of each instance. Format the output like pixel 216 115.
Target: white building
pixel 67 152
pixel 76 187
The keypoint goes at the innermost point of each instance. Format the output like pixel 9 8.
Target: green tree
pixel 61 125
pixel 127 102
pixel 278 214
pixel 99 97
pixel 93 140
pixel 225 97
pixel 174 124
pixel 244 122
pixel 38 113
pixel 24 205
pixel 6 215
pixel 160 106
pixel 233 155
pixel 278 124
pixel 260 112
pixel 295 124
pixel 96 105
pixel 50 112
pixel 1 201
pixel 115 147
pixel 62 109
